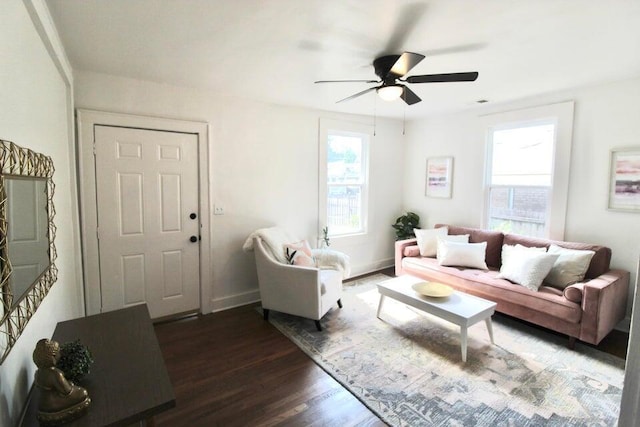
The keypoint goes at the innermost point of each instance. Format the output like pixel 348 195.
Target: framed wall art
pixel 624 179
pixel 439 180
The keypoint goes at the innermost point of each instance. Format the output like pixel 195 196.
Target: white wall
pixel 35 112
pixel 264 171
pixel 606 116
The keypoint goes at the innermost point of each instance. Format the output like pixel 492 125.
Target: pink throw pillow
pixel 413 250
pixel 299 253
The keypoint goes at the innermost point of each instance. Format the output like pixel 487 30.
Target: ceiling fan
pixel 392 70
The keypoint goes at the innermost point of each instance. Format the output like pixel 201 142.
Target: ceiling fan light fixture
pixel 390 93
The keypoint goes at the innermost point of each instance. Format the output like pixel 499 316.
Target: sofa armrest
pixel 604 304
pixel 399 253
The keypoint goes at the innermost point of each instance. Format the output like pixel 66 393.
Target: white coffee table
pixel 459 308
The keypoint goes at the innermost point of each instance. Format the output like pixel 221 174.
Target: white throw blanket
pixel 327 258
pixel 275 238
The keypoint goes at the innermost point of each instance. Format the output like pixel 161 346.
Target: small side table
pixel 128 381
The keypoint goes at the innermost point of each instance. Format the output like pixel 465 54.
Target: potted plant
pixel 75 360
pixel 325 237
pixel 405 224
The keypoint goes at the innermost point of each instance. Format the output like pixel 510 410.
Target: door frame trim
pixel 86 121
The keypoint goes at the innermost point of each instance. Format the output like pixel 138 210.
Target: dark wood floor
pixel 233 369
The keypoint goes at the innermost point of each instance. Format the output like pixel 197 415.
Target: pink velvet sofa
pixel 587 311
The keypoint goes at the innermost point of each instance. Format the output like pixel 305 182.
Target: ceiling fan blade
pixel 443 78
pixel 347 81
pixel 407 19
pixel 405 63
pixel 409 96
pixel 358 94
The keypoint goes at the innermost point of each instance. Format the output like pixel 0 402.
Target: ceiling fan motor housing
pixel 383 67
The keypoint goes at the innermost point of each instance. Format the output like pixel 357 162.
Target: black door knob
pixel 193 239
pixel 193 216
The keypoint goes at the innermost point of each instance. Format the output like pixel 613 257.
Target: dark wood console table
pixel 128 381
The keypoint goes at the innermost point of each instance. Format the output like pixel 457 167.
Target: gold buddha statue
pixel 60 400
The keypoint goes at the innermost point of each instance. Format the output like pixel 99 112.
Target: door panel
pixel 133 279
pixel 130 202
pixel 147 184
pixel 27 231
pixel 170 202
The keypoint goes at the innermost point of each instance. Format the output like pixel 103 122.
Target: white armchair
pixel 302 291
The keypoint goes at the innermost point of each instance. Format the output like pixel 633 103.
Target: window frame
pixel 489 168
pixel 561 115
pixel 349 129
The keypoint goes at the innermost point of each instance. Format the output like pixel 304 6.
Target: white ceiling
pixel 273 50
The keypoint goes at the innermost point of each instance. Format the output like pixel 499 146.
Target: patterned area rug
pixel 407 368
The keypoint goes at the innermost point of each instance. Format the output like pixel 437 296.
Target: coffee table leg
pixel 380 306
pixel 489 328
pixel 463 342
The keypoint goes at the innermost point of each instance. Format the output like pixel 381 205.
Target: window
pixel 344 178
pixel 346 183
pixel 520 178
pixel 527 170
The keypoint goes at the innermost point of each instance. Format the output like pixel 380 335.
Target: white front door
pixel 147 203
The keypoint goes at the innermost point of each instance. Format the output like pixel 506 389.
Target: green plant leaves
pixel 75 360
pixel 405 224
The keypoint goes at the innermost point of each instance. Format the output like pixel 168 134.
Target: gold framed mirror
pixel 27 234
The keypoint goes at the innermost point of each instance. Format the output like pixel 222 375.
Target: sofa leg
pixel 572 343
pixel 265 313
pixel 318 326
pixel 339 303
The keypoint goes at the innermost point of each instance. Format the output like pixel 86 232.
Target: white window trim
pixel 561 115
pixel 346 128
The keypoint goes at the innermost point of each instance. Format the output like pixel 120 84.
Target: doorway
pixel 144 187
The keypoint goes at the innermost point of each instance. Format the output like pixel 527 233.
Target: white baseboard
pixel 232 301
pixel 250 297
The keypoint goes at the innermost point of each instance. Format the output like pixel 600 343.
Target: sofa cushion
pixel 570 267
pixel 461 254
pixel 494 241
pixel 411 250
pixel 599 262
pixel 574 292
pixel 547 301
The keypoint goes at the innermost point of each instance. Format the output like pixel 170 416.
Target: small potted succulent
pixel 75 360
pixel 405 224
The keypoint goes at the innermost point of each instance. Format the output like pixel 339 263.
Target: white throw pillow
pixel 462 254
pixel 509 249
pixel 527 268
pixel 570 267
pixel 428 239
